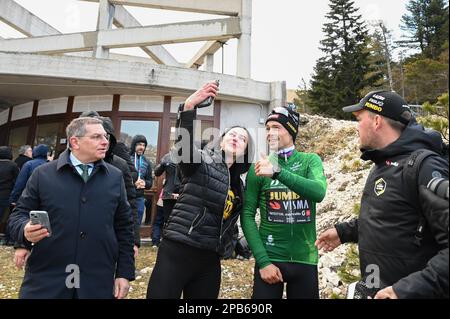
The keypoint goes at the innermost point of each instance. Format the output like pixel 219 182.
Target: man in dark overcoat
pixel 88 252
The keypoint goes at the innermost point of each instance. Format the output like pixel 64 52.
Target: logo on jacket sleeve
pixel 389 163
pixel 380 186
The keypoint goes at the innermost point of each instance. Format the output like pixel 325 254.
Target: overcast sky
pixel 285 33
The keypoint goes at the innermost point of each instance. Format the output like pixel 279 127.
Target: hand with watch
pixel 276 171
pixel 265 168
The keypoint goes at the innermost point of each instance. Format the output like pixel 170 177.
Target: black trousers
pixel 301 282
pixel 184 269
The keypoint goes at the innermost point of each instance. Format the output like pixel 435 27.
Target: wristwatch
pixel 275 171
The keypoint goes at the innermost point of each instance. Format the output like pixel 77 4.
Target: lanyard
pixel 138 168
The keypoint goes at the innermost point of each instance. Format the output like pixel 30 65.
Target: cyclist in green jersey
pixel 285 186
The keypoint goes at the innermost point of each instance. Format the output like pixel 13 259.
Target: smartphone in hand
pixel 41 217
pixel 208 101
pixel 360 290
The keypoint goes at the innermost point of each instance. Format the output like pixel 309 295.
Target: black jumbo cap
pixel 385 103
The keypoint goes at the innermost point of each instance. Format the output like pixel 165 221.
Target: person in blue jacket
pixel 40 153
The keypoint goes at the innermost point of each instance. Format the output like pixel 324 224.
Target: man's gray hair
pixel 78 126
pixel 23 149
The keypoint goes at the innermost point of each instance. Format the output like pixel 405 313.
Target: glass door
pixel 150 129
pixel 17 138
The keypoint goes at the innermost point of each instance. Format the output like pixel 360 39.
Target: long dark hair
pixel 242 163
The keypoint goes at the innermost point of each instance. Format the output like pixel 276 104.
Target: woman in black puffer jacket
pixel 200 228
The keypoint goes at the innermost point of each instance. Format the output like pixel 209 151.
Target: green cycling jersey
pixel 287 205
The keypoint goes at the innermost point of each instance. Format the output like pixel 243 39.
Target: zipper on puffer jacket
pixel 225 202
pixel 199 217
pixel 231 223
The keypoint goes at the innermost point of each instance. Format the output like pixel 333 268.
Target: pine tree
pixel 380 59
pixel 302 96
pixel 426 79
pixel 426 26
pixel 344 70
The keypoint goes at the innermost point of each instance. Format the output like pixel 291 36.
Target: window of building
pixel 49 134
pixel 150 129
pixel 17 138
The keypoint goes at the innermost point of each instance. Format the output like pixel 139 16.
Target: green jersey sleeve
pixel 248 222
pixel 313 186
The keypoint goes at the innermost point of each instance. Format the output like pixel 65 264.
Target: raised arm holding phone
pixel 200 228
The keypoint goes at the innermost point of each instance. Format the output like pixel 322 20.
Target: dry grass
pixel 355 166
pixel 10 276
pixel 349 271
pixel 237 275
pixel 317 137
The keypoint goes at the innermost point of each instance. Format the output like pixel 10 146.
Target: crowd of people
pixel 93 196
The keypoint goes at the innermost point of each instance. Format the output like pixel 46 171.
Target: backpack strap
pixel 411 170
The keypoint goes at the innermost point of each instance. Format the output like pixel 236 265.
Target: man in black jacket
pixel 89 252
pixel 121 163
pixel 390 255
pixel 8 175
pixel 25 155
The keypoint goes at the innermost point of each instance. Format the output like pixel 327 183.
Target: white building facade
pixel 48 78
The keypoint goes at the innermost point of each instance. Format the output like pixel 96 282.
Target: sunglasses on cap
pixel 280 110
pixel 293 115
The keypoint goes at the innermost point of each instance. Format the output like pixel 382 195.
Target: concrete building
pixel 49 78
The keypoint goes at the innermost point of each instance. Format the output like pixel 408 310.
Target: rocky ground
pixel 337 144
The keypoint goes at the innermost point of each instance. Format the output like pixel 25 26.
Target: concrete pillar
pixel 243 67
pixel 277 94
pixel 104 22
pixel 209 63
